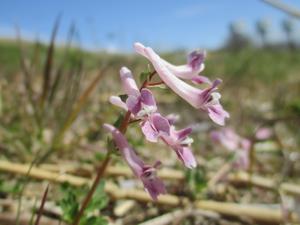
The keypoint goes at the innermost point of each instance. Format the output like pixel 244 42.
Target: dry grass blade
pixel 264 214
pixel 27 75
pixel 24 68
pixel 284 7
pixel 48 64
pixel 60 69
pixel 79 105
pixel 42 206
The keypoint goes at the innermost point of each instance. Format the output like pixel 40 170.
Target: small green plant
pixel 196 180
pixel 70 205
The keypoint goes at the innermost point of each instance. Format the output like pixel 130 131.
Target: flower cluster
pixel 240 146
pixel 141 105
pixel 234 143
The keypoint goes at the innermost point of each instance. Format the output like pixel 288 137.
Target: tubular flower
pixel 180 143
pixel 139 103
pixel 191 70
pixel 146 173
pixel 234 143
pixel 207 99
pixel 156 126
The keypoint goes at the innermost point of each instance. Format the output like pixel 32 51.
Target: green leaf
pixel 119 120
pixel 100 156
pixel 94 220
pixel 110 146
pixel 69 203
pixel 144 76
pixel 99 200
pixel 12 188
pixel 196 180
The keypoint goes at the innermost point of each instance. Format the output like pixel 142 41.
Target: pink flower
pixel 195 65
pixel 207 99
pixel 226 137
pixel 146 173
pixel 180 143
pixel 263 133
pixel 243 154
pixel 156 126
pixel 139 103
pixel 234 143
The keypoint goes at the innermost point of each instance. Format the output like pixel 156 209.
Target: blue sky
pixel 116 24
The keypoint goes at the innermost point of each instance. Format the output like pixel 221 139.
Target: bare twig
pixel 122 208
pixel 221 173
pixel 165 173
pixel 42 206
pixel 43 173
pixel 168 217
pixel 246 178
pixel 179 215
pixel 8 218
pixel 258 213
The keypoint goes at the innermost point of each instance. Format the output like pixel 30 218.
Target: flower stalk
pixel 101 170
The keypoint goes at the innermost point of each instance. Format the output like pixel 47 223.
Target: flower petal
pixel 128 83
pixel 184 90
pixel 147 97
pixel 263 133
pixel 134 104
pixel 147 174
pixel 217 114
pixel 117 101
pixel 196 59
pixel 154 186
pixel 160 123
pixel 186 156
pixel 201 79
pixel 150 133
pixel 134 162
pixel 183 133
pixel 140 49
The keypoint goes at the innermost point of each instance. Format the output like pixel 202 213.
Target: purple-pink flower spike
pixel 141 106
pixel 146 173
pixel 207 100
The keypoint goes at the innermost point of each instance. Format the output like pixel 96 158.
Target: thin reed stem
pixel 90 194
